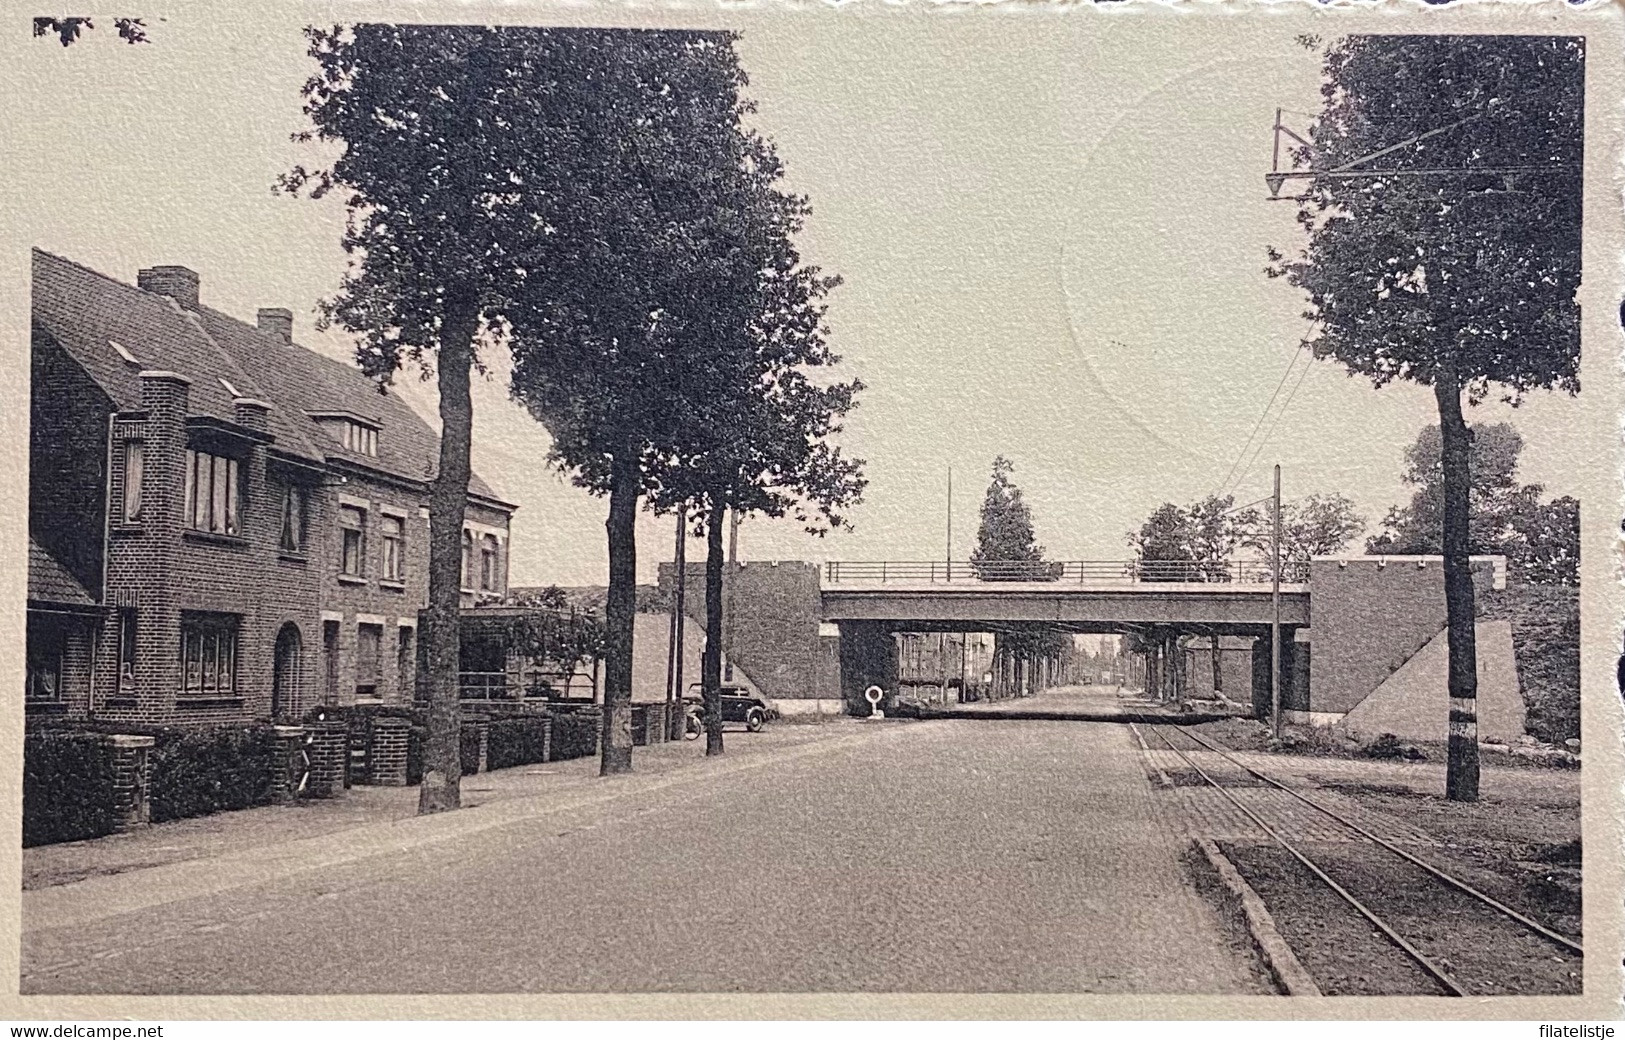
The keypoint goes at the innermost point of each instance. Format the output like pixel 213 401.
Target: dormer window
pixel 356 433
pixel 360 439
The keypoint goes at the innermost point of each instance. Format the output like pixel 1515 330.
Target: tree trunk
pixel 620 614
pixel 442 753
pixel 1461 772
pixel 711 665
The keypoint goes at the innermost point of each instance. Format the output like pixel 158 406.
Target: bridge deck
pixel 1233 608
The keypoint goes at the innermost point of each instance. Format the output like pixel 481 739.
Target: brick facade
pixel 113 587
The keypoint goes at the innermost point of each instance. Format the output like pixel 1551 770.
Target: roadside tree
pixel 1447 252
pixel 612 333
pixel 761 438
pixel 423 119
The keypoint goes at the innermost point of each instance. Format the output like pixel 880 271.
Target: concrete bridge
pixel 1078 596
pixel 1353 627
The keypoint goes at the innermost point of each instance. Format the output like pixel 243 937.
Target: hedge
pixel 517 742
pixel 67 787
pixel 203 771
pixel 575 735
pixel 1546 641
pixel 196 771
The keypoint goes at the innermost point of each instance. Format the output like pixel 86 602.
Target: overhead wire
pixel 1286 373
pixel 1277 421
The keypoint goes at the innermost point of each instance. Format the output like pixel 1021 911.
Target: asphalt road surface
pixel 949 856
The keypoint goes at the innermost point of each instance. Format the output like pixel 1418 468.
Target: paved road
pixel 950 856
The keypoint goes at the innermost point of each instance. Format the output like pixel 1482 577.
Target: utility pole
pixel 728 615
pixel 964 654
pixel 1275 606
pixel 682 597
pixel 672 651
pixel 950 560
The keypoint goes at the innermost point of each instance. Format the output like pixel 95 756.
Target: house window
pixel 208 655
pixel 369 641
pixel 363 440
pixel 126 650
pixel 330 662
pixel 352 527
pixel 46 644
pixel 134 456
pixel 211 493
pixel 394 547
pixel 293 518
pixel 468 560
pixel 405 661
pixel 490 564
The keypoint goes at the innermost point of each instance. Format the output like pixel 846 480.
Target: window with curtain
pixel 293 518
pixel 211 493
pixel 134 458
pixel 394 547
pixel 352 528
pixel 126 648
pixel 208 655
pixel 490 564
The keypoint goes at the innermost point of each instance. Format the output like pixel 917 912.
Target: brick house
pixel 223 525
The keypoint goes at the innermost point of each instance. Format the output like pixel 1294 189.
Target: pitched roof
pixel 116 331
pixel 313 383
pixel 50 582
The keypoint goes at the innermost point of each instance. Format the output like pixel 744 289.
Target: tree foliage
pixel 68 30
pixel 432 123
pixel 1407 271
pixel 1196 542
pixel 1444 248
pixel 1005 539
pixel 1540 539
pixel 1318 525
pixel 1213 533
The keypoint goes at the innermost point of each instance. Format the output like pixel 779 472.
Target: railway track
pixel 1478 930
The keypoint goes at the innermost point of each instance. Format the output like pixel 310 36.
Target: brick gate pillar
pixel 387 740
pixel 286 766
pixel 132 775
pixel 328 746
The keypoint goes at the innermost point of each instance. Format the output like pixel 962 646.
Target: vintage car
pixel 738 705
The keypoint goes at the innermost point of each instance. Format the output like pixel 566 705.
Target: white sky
pixel 1052 242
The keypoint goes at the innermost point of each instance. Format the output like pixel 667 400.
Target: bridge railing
pixel 1076 572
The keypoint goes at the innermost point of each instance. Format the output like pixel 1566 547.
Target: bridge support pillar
pixel 868 658
pixel 1294 680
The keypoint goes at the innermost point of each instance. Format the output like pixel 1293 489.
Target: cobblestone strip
pixel 1209 814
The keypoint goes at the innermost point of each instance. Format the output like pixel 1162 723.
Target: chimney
pixel 252 413
pixel 165 394
pixel 178 283
pixel 278 322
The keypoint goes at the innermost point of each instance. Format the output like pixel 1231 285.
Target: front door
pixel 285 671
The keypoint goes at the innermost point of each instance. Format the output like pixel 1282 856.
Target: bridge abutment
pixel 868 657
